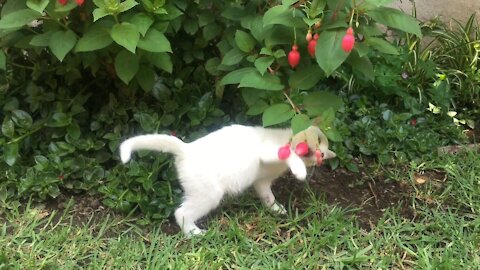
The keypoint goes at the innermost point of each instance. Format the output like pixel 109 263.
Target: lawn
pixel 420 216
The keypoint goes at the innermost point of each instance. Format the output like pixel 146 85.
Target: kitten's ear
pixel 329 154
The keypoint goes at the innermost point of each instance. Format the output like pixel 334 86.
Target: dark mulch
pixel 368 198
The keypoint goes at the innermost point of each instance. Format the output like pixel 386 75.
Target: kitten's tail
pixel 156 142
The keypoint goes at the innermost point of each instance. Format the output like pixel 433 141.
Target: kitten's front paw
pixel 195 232
pixel 278 209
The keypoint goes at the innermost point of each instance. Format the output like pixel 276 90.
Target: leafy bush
pixel 79 78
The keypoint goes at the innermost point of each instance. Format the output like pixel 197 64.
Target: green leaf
pixel 381 45
pixel 155 41
pixel 283 15
pixel 10 153
pixel 146 78
pixel 19 18
pixel 211 66
pixel 22 119
pixel 244 41
pixel 74 131
pixel 3 60
pixel 277 114
pixel 161 61
pixel 379 3
pixel 362 49
pixel 126 66
pixel 211 31
pixel 257 108
pixel 362 65
pixel 236 76
pixel 12 6
pixel 317 103
pixel 263 63
pixel 37 5
pixel 65 8
pixel 396 19
pixel 233 57
pixel 328 52
pixel 265 82
pixel 59 119
pixel 316 8
pixel 352 167
pixel 8 128
pixel 42 40
pixel 142 21
pixel 62 42
pixel 99 3
pixel 300 122
pixel 126 35
pixel 99 13
pixel 305 78
pixel 190 26
pixel 327 120
pixel 95 38
pixel 170 11
pixel 127 5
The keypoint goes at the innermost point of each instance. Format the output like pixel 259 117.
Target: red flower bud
pixel 319 156
pixel 311 47
pixel 301 149
pixel 284 152
pixel 294 56
pixel 348 41
pixel 63 2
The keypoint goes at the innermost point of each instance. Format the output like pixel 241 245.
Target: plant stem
pixel 25 135
pixel 295 108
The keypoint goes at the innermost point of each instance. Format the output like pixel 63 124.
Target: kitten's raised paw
pixel 300 174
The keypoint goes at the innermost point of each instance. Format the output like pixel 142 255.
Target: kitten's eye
pixel 323 155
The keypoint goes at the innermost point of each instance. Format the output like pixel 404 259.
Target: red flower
pixel 79 2
pixel 63 2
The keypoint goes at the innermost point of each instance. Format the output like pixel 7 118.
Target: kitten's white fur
pixel 226 161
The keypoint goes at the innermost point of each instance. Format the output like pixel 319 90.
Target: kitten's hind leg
pixel 193 208
pixel 264 191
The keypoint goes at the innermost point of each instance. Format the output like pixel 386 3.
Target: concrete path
pixel 446 9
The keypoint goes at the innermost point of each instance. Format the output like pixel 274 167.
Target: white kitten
pixel 226 161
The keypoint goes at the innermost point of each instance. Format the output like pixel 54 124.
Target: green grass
pixel 443 234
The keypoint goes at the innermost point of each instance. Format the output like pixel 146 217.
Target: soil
pixel 367 197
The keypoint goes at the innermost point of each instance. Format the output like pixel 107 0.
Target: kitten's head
pixel 315 140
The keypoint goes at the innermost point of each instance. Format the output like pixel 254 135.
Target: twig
pixel 374 194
